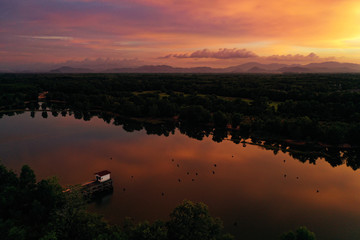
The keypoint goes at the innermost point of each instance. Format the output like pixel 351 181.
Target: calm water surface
pixel 248 188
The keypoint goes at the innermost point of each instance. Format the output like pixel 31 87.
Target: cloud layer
pixel 235 53
pixel 222 53
pixel 312 57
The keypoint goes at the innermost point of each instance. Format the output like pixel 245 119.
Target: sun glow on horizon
pixel 147 30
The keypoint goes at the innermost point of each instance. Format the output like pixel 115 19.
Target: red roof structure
pixel 102 173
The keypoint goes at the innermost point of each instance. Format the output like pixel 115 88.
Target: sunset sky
pixel 178 32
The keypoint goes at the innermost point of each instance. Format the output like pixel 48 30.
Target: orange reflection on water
pixel 259 191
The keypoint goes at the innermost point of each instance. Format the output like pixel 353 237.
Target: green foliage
pixel 302 233
pixel 27 177
pixel 288 236
pixel 236 119
pixel 26 206
pixel 16 233
pixel 49 236
pixel 195 114
pixel 192 221
pixel 145 230
pixel 76 223
pixel 220 119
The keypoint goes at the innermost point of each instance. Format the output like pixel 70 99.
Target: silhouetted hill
pixel 257 70
pixel 251 67
pixel 67 69
pixel 144 69
pixel 162 69
pixel 334 67
pixel 294 70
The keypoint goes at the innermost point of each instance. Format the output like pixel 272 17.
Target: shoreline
pixel 175 119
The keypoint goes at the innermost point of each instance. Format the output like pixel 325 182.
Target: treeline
pixel 41 210
pixel 311 107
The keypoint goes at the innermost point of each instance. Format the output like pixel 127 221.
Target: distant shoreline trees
pixel 304 107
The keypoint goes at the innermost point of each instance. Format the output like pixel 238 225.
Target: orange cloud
pixel 312 57
pixel 222 53
pixel 233 54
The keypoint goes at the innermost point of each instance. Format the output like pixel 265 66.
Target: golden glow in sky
pixel 174 32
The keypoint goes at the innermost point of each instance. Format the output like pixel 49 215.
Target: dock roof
pixel 102 173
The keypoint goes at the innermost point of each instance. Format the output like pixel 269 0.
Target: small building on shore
pixel 102 176
pixel 100 185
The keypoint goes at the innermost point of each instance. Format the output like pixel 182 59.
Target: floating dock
pixel 102 184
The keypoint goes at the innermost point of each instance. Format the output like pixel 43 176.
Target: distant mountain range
pixel 251 67
pixel 67 69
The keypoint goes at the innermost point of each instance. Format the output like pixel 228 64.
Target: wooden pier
pixel 95 187
pixel 102 184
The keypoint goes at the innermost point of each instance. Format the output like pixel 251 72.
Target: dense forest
pixel 307 115
pixel 42 210
pixel 310 107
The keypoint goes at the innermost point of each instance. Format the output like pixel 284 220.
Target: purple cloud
pixel 295 58
pixel 222 53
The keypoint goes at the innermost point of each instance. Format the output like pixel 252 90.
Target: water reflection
pixel 249 190
pixel 304 152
